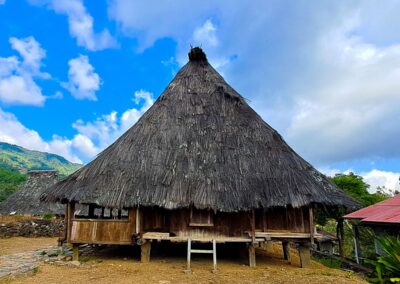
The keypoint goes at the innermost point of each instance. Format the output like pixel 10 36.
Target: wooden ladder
pixel 213 251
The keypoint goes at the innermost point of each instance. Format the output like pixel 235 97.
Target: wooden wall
pixel 177 223
pixel 104 231
pixel 238 224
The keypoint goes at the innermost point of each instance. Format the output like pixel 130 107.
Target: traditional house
pixel 26 201
pixel 382 218
pixel 199 166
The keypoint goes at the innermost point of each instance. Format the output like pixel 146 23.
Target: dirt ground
pixel 20 244
pixel 121 265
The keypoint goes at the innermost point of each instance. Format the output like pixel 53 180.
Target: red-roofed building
pixel 383 217
pixel 385 213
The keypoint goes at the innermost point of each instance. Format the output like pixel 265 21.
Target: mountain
pixel 16 158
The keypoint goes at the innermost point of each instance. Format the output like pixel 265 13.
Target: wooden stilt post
pixel 145 252
pixel 214 256
pixel 75 252
pixel 70 212
pixel 357 248
pixel 252 255
pixel 312 227
pixel 251 248
pixel 304 254
pixel 189 253
pixel 64 237
pixel 340 235
pixel 286 251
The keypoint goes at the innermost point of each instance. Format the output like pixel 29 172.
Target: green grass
pixel 329 262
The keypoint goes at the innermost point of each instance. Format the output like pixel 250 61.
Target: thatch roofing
pixel 200 144
pixel 26 201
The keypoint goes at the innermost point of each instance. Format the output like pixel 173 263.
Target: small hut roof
pixel 27 199
pixel 200 144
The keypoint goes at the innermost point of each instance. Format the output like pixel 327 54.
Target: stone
pixel 75 263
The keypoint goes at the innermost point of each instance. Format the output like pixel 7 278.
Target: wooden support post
pixel 340 235
pixel 70 213
pixel 214 256
pixel 304 254
pixel 286 251
pixel 357 248
pixel 91 211
pixel 253 226
pixel 65 237
pixel 312 227
pixel 252 256
pixel 189 252
pixel 145 252
pixel 75 252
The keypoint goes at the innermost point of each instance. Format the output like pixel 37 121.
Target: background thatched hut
pixel 199 165
pixel 26 201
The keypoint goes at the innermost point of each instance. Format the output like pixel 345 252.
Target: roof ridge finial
pixel 197 54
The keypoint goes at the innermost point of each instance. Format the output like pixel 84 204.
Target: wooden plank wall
pixel 238 224
pixel 289 219
pixel 106 231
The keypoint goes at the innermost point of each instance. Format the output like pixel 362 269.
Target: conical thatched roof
pixel 200 144
pixel 26 201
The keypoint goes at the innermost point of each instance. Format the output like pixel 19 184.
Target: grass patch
pixel 329 262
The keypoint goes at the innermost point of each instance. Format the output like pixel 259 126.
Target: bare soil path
pixel 121 265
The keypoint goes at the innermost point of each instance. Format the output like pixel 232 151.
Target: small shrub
pixel 329 262
pixel 48 216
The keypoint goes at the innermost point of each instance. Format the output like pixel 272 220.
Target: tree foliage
pixel 387 266
pixel 357 188
pixel 10 181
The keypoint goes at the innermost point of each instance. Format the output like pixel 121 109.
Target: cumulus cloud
pixel 106 128
pixel 91 137
pixel 351 110
pixel 206 34
pixel 80 24
pixel 18 74
pixel 377 178
pixel 326 78
pixel 83 80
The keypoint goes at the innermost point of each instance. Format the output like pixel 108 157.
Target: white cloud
pixel 206 35
pixel 80 23
pixel 376 178
pixel 83 80
pixel 2 2
pixel 354 112
pixel 32 54
pixel 91 137
pixel 17 85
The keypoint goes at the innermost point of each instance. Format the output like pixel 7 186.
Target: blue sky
pixel 74 74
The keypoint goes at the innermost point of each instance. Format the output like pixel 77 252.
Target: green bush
pixel 387 267
pixel 47 216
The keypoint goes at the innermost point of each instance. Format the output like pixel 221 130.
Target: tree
pixel 357 188
pixel 10 181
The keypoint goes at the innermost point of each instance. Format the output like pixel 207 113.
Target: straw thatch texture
pixel 26 201
pixel 200 144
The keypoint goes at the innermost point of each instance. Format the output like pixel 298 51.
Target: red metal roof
pixel 387 211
